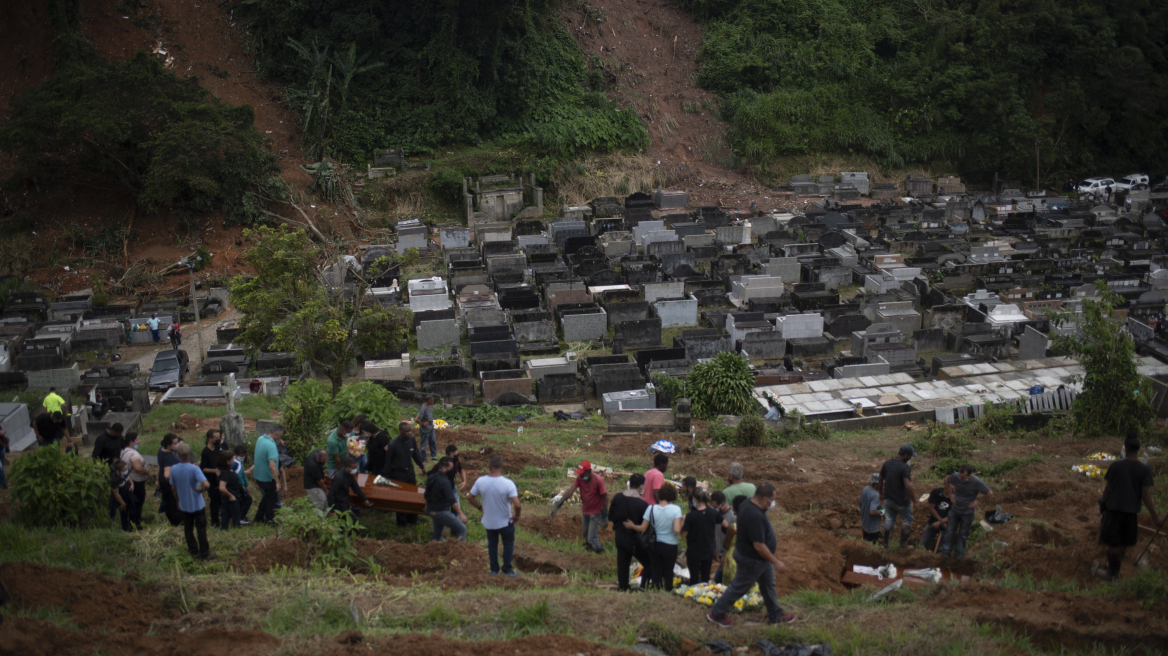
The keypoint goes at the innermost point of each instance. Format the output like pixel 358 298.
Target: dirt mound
pixel 417 643
pixel 394 559
pixel 534 558
pixel 295 483
pixel 563 527
pixel 465 579
pixel 1060 619
pixel 837 518
pixel 39 638
pixel 407 559
pixel 513 460
pixel 825 494
pixel 94 601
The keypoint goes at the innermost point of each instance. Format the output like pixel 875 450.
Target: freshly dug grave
pixel 25 637
pixel 534 558
pixel 513 460
pixel 394 558
pixel 353 643
pixel 1060 619
pixel 564 527
pixel 95 601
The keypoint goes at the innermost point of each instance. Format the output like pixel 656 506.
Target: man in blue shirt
pixel 153 323
pixel 189 483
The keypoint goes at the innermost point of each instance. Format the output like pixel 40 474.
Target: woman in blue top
pixel 666 518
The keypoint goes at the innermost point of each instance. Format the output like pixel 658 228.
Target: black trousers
pixel 699 569
pixel 140 495
pixel 173 514
pixel 196 523
pixel 663 558
pixel 266 512
pixel 629 547
pixel 216 499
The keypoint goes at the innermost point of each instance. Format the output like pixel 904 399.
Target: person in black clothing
pixel 628 505
pixel 788 364
pixel 50 428
pixel 230 492
pixel 108 446
pixel 698 530
pixel 399 461
pixel 314 471
pixel 938 519
pixel 442 503
pixel 345 483
pixel 1129 484
pixel 209 463
pixel 456 472
pixel 376 444
pixel 121 496
pixel 99 407
pixel 689 485
pixel 167 459
pixel 897 494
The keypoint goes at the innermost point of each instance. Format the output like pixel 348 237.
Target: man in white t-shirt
pixel 497 498
pixel 153 322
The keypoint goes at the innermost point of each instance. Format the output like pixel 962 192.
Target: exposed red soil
pixel 541 560
pixel 514 460
pixel 649 50
pixel 1057 619
pixel 564 526
pixel 95 601
pixel 202 39
pixel 24 637
pixel 295 482
pixel 416 643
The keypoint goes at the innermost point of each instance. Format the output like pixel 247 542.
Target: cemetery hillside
pixel 584 328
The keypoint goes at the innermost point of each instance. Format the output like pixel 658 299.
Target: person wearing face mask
pixel 755 557
pixel 344 484
pixel 665 516
pixel 723 537
pixel 245 498
pixel 122 496
pixel 230 490
pixel 267 474
pixel 593 499
pixel 628 505
pixel 314 468
pixel 962 490
pixel 138 475
pixel 209 462
pixel 897 494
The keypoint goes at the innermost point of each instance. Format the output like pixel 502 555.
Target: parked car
pixel 169 369
pixel 1127 182
pixel 1095 185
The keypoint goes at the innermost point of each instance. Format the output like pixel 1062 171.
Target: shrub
pixel 53 488
pixel 945 441
pixel 306 409
pixel 722 386
pixel 751 432
pixel 378 404
pixel 327 537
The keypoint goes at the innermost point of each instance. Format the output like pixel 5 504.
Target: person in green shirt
pixel 53 402
pixel 267 473
pixel 737 486
pixel 337 447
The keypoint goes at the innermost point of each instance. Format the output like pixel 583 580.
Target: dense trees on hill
pixel 974 82
pixel 435 73
pixel 165 140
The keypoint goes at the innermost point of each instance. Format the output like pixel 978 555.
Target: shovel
pixel 1149 545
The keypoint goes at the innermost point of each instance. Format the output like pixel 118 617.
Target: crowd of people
pixel 727 534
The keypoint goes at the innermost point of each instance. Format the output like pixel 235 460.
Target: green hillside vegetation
pixel 162 138
pixel 969 83
pixel 417 74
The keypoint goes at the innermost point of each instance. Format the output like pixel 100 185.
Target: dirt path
pixel 143 355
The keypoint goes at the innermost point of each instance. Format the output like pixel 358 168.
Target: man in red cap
pixel 594 499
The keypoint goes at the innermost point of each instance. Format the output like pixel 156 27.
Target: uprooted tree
pixel 1116 399
pixel 292 303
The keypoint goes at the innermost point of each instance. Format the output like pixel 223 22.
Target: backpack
pixel 649 537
